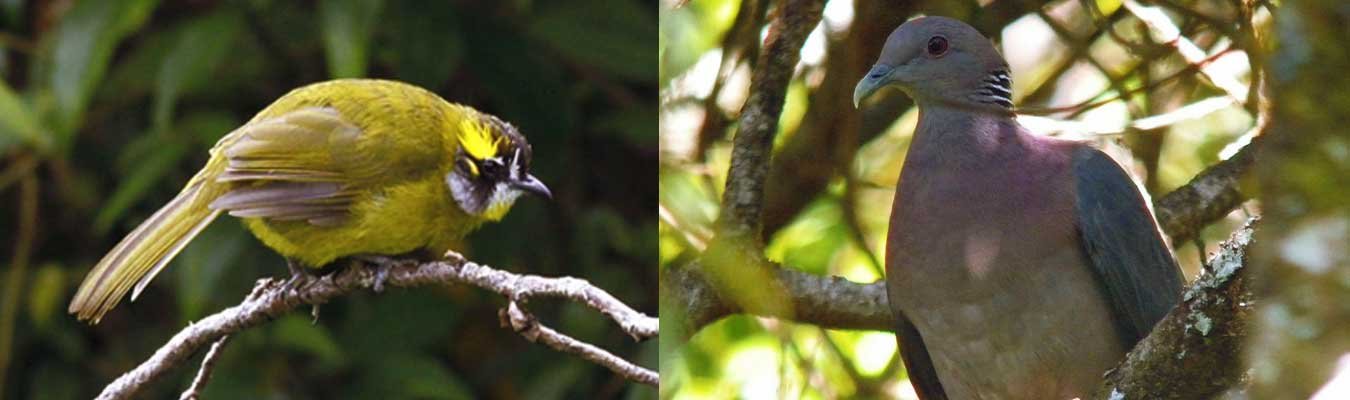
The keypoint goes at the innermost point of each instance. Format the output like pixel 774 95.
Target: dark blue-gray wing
pixel 918 364
pixel 1123 245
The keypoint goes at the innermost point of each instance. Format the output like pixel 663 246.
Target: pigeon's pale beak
pixel 877 78
pixel 530 184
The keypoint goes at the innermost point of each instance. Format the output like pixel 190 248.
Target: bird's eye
pixel 937 46
pixel 492 166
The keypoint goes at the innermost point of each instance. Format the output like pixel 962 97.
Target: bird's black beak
pixel 531 184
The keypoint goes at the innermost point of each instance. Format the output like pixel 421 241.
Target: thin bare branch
pixel 528 326
pixel 194 391
pixel 271 298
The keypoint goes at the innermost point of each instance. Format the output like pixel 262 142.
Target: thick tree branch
pixel 841 304
pixel 831 131
pixel 734 258
pixel 1211 195
pixel 703 291
pixel 825 301
pixel 742 202
pixel 1192 352
pixel 271 298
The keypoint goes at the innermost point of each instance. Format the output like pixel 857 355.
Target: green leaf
pixel 615 36
pixel 201 45
pixel 411 321
pixel 149 158
pixel 295 332
pixel 347 25
pixel 636 125
pixel 18 124
pixel 84 43
pixel 133 75
pixel 51 380
pixel 408 376
pixel 144 175
pixel 200 265
pixel 425 47
pixel 527 87
pixel 205 128
pixel 47 293
pixel 813 239
pixel 13 11
pixel 554 382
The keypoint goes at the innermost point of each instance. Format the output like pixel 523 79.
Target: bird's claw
pixel 454 257
pixel 300 278
pixel 380 265
pixel 381 274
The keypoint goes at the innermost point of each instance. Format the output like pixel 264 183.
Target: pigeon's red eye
pixel 937 46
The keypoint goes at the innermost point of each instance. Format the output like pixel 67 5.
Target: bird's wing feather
pixel 918 364
pixel 1123 245
pixel 297 166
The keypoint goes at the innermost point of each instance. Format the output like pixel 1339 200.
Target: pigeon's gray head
pixel 939 59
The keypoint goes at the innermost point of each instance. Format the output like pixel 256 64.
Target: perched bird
pixel 334 169
pixel 1018 266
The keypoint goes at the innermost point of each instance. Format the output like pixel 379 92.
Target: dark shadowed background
pixel 108 107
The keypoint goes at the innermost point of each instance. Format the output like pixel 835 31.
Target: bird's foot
pixel 454 257
pixel 380 265
pixel 301 278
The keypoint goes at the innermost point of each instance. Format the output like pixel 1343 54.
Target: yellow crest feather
pixel 476 138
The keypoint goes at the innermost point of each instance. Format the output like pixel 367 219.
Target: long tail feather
pixel 144 252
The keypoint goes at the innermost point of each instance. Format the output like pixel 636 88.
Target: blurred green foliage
pixel 840 227
pixel 108 107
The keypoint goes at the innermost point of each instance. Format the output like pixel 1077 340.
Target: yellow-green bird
pixel 352 167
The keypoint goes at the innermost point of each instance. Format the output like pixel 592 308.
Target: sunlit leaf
pixel 812 240
pixel 347 25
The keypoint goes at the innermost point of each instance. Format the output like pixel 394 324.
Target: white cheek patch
pixel 461 189
pixel 503 195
